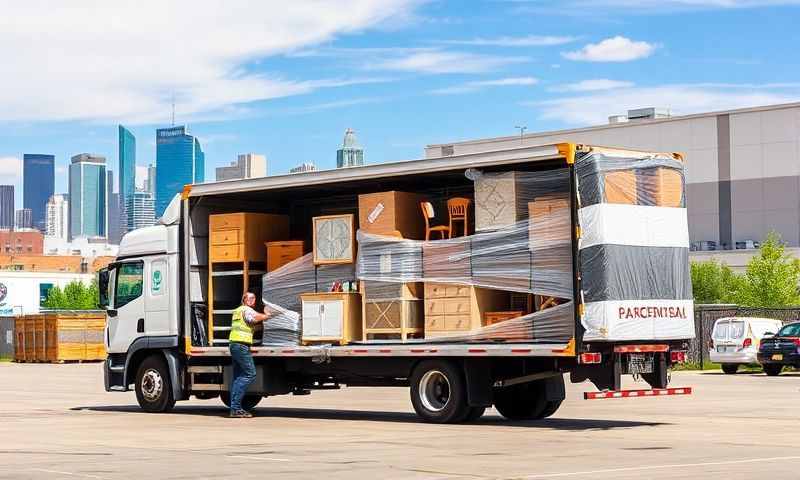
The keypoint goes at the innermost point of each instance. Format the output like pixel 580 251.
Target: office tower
pixel 247 165
pixel 24 219
pixel 58 217
pixel 351 154
pixel 150 182
pixel 127 175
pixel 179 160
pixel 115 223
pixel 140 209
pixel 6 207
pixel 88 200
pixel 39 178
pixel 304 167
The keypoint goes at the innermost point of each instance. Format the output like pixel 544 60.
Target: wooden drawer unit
pixel 248 230
pixel 457 322
pixel 224 221
pixel 390 213
pixel 458 308
pixel 281 253
pixel 490 318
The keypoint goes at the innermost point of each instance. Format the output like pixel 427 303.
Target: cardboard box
pixel 391 213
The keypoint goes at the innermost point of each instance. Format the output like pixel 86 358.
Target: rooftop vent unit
pixel 650 113
pixel 617 119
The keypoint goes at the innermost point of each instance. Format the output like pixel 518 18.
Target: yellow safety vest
pixel 240 331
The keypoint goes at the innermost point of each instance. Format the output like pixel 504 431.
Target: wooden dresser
pixel 282 252
pixel 236 263
pixel 458 308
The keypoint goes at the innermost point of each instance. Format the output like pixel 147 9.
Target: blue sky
pixel 287 81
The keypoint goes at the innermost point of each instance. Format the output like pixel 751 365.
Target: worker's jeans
pixel 244 372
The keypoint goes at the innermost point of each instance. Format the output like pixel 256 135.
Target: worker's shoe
pixel 240 414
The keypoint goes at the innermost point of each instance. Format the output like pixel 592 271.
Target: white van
pixel 735 340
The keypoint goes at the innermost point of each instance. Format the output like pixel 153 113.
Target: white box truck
pixel 612 287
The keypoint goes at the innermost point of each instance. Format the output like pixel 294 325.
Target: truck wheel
pixel 521 402
pixel 730 368
pixel 438 392
pixel 249 401
pixel 154 386
pixel 772 370
pixel 550 408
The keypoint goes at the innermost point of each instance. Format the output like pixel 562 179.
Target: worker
pixel 241 338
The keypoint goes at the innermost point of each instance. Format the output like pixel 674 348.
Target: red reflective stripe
pixel 287 351
pixel 640 348
pixel 521 350
pixel 417 350
pixel 360 351
pixel 638 393
pixel 476 350
pixel 385 350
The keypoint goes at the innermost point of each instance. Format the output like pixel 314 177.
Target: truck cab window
pixel 129 283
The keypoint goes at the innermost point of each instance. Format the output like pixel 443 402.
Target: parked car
pixel 735 340
pixel 780 350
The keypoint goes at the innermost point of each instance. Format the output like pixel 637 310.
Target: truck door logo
pixel 156 281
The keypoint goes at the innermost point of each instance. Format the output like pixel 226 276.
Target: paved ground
pixel 56 422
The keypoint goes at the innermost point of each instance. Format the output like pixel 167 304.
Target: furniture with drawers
pixel 236 263
pixel 392 310
pixel 500 199
pixel 331 317
pixel 334 239
pixel 387 213
pixel 458 308
pixel 282 252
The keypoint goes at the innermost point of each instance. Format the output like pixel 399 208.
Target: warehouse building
pixel 742 167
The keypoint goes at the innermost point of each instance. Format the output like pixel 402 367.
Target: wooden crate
pixel 282 252
pixel 550 221
pixel 61 336
pixel 390 213
pixel 391 310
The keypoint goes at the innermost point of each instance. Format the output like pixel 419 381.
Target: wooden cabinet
pixel 550 220
pixel 390 213
pixel 458 308
pixel 282 252
pixel 331 317
pixel 661 187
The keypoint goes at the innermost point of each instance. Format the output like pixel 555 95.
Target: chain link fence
pixel 706 315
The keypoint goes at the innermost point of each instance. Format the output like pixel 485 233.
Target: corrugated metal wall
pixel 6 338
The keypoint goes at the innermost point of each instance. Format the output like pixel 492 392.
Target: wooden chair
pixel 458 209
pixel 427 214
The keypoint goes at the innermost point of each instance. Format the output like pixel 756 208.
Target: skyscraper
pixel 304 167
pixel 58 217
pixel 150 182
pixel 115 223
pixel 351 154
pixel 6 207
pixel 140 208
pixel 179 161
pixel 127 173
pixel 88 200
pixel 39 178
pixel 24 220
pixel 247 165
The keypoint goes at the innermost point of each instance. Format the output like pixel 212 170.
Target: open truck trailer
pixel 569 259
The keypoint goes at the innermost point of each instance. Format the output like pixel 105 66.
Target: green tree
pixel 74 296
pixel 714 282
pixel 55 299
pixel 772 277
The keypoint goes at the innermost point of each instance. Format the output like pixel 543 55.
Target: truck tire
pixel 438 392
pixel 773 370
pixel 249 402
pixel 729 368
pixel 550 408
pixel 154 385
pixel 522 402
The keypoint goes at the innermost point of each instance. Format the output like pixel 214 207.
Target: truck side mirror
pixel 102 286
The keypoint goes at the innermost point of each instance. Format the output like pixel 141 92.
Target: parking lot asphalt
pixel 56 422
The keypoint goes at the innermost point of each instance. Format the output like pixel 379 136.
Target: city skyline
pixel 179 161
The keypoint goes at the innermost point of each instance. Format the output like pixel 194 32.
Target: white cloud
pixel 592 85
pixel 615 49
pixel 480 85
pixel 10 171
pixel 686 4
pixel 526 41
pixel 442 61
pixel 594 108
pixel 98 60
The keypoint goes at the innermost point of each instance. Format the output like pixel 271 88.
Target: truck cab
pixel 138 293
